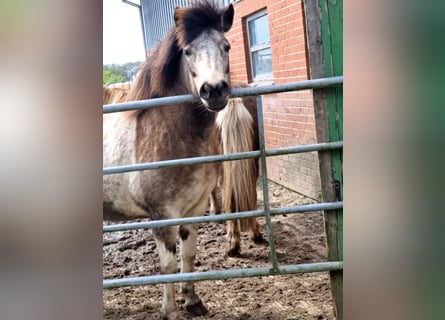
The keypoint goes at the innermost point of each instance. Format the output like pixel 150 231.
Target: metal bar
pixel 269 229
pixel 180 162
pixel 223 274
pixel 144 36
pixel 237 92
pixel 219 158
pixel 291 86
pixel 222 217
pixel 131 3
pixel 150 103
pixel 305 148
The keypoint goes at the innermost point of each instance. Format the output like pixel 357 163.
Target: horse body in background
pixel 193 57
pixel 238 132
pixel 114 94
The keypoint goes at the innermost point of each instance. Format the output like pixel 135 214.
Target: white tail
pixel 238 134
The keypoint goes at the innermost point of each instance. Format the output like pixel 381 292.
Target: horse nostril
pixel 223 88
pixel 205 91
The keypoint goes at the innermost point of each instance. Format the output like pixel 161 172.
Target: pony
pixel 122 85
pixel 192 57
pixel 114 94
pixel 240 132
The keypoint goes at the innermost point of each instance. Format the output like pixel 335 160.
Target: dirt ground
pixel 299 238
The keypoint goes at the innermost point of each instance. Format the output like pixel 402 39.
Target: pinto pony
pixel 193 57
pixel 237 132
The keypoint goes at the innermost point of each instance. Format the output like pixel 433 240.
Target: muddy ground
pixel 299 238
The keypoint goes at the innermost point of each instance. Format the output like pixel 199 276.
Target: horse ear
pixel 177 15
pixel 227 18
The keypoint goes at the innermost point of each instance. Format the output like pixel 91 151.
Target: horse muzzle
pixel 215 97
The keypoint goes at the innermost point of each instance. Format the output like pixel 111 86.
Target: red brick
pixel 288 117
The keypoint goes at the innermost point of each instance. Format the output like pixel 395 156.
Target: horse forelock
pixel 191 22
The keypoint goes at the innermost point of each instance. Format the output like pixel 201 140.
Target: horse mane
pixel 158 75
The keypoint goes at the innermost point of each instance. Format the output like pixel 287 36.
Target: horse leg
pixel 166 246
pixel 233 238
pixel 254 231
pixel 215 201
pixel 188 235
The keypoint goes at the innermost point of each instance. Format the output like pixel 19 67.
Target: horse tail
pixel 239 132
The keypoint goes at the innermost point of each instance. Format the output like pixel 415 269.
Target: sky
pixel 122 33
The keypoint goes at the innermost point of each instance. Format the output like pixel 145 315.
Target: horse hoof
pixel 258 239
pixel 197 309
pixel 234 252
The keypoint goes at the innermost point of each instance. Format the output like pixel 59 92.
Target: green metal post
pixel 324 30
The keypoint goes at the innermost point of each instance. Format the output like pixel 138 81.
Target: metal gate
pixel 267 212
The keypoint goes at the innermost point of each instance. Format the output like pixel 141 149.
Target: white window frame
pixel 264 76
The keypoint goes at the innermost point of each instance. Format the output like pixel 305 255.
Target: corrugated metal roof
pixel 157 18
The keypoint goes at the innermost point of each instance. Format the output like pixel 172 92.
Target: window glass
pixel 259 31
pixel 259 46
pixel 261 62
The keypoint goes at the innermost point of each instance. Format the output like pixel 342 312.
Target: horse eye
pixel 187 52
pixel 227 47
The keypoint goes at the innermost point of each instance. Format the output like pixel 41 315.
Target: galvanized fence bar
pixel 223 157
pixel 238 92
pixel 222 217
pixel 150 103
pixel 223 274
pixel 269 229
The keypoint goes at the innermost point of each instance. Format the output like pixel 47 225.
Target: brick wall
pixel 288 117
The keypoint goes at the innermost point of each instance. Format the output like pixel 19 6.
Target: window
pixel 259 46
